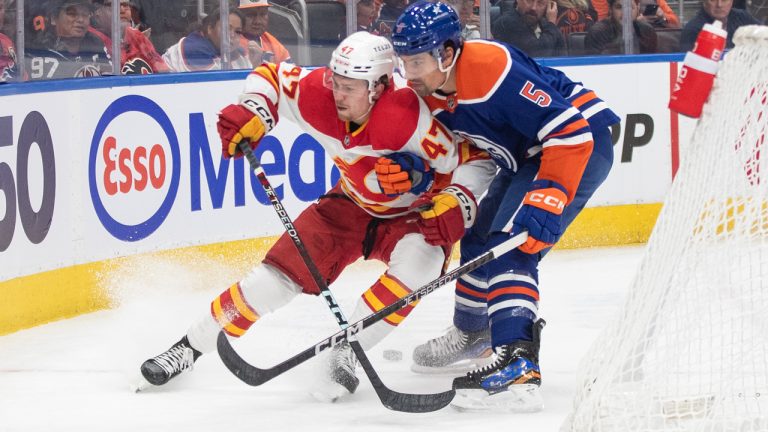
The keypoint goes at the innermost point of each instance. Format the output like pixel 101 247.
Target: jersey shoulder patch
pixel 481 68
pixel 394 119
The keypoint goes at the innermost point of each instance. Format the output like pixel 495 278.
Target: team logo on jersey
pixel 88 71
pixel 346 141
pixel 537 96
pixel 136 66
pixel 451 102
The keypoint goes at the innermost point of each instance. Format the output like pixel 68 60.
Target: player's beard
pixel 420 87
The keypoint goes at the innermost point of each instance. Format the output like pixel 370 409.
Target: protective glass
pixel 417 66
pixel 343 85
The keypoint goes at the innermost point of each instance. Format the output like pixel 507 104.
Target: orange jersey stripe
pixel 466 290
pixel 514 290
pixel 572 127
pixel 586 97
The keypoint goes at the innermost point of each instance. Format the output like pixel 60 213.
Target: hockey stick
pixel 255 376
pixel 391 399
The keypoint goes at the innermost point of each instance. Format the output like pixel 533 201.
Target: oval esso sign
pixel 133 181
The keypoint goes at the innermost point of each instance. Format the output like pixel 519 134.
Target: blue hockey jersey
pixel 514 108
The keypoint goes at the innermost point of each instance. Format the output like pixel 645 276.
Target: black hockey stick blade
pixel 396 401
pixel 405 402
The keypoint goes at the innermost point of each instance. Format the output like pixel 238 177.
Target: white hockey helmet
pixel 364 56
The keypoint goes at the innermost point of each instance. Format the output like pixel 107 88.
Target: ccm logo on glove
pixel 258 109
pixel 547 199
pixel 541 215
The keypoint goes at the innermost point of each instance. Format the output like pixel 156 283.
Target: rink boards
pixel 96 172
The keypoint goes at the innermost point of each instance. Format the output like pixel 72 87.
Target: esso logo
pixel 133 168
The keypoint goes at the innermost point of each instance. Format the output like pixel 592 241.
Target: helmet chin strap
pixel 362 118
pixel 371 101
pixel 446 70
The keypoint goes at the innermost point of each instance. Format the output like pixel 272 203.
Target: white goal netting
pixel 689 351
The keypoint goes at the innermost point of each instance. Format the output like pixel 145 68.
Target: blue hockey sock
pixel 471 313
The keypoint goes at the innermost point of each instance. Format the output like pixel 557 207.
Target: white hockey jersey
pixel 399 122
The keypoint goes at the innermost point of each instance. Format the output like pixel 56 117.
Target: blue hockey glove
pixel 400 173
pixel 541 215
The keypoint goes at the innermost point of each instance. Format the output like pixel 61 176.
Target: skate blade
pixel 141 385
pixel 518 398
pixel 458 368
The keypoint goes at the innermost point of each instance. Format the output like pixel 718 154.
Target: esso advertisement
pixel 156 176
pixel 134 166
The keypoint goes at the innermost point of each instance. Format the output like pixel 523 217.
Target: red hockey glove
pixel 249 120
pixel 541 215
pixel 451 212
pixel 400 173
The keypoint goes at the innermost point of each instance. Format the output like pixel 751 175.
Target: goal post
pixel 689 349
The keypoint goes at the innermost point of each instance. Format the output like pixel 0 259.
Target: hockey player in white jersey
pixel 350 107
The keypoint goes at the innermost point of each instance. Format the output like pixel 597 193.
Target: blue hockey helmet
pixel 425 26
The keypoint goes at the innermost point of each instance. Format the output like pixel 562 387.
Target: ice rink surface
pixel 75 375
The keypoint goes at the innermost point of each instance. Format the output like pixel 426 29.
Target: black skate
pixel 454 352
pixel 162 368
pixel 511 383
pixel 339 374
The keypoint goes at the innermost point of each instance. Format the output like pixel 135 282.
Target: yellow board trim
pixel 68 292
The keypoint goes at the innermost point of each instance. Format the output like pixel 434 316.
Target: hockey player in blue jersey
pixel 551 139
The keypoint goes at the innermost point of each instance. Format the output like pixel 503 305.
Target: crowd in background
pixel 73 38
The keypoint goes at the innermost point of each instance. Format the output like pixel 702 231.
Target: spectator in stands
pixel 137 54
pixel 169 20
pixel 530 26
pixel 710 11
pixel 470 21
pixel 260 45
pixel 66 48
pixel 575 16
pixel 603 10
pixel 658 14
pixel 7 51
pixel 389 13
pixel 132 13
pixel 201 49
pixel 606 36
pixel 366 16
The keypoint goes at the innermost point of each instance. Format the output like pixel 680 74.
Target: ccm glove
pixel 249 120
pixel 541 215
pixel 449 213
pixel 400 173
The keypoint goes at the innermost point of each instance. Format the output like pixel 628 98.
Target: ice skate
pixel 454 352
pixel 338 375
pixel 511 383
pixel 162 368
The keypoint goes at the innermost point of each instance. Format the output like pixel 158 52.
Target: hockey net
pixel 689 351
